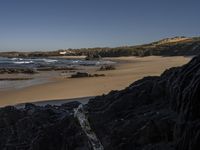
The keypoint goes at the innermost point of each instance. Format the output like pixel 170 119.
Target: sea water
pixel 34 63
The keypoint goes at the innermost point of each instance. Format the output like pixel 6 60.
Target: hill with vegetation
pixel 177 46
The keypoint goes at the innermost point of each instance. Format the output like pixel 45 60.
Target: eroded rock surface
pixel 154 113
pixel 41 128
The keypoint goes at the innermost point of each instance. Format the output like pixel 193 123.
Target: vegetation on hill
pixel 177 46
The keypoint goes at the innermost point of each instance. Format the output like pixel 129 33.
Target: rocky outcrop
pixel 55 68
pixel 39 128
pixel 17 70
pixel 152 113
pixel 92 57
pixel 85 74
pixel 107 67
pixel 159 113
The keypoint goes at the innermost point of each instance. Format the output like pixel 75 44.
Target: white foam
pixel 75 61
pixel 23 62
pixel 49 60
pixel 14 59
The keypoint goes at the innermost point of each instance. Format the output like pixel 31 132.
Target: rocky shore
pixel 34 70
pixel 159 113
pixel 17 70
pixel 15 79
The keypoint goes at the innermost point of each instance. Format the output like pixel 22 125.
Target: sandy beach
pixel 128 70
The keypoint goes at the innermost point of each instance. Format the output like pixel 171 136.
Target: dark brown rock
pixel 85 74
pixel 17 70
pixel 107 67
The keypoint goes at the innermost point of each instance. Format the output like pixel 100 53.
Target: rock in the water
pixel 85 74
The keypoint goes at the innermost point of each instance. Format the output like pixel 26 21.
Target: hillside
pixel 166 47
pixel 172 40
pixel 177 46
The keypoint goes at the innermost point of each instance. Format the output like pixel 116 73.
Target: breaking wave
pixel 23 62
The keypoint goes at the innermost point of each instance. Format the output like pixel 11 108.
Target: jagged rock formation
pixel 154 113
pixel 41 128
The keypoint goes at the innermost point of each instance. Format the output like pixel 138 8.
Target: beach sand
pixel 128 70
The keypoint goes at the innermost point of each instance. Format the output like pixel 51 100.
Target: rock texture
pixel 41 128
pixel 17 70
pixel 85 74
pixel 154 113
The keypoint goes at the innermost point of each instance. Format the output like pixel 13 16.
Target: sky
pixel 29 25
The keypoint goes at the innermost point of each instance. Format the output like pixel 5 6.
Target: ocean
pixel 35 63
pixel 38 62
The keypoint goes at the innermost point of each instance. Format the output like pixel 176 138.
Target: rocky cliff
pixel 154 113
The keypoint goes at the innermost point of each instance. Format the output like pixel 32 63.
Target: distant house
pixel 62 53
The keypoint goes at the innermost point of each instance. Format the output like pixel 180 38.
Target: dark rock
pixel 107 67
pixel 80 75
pixel 154 113
pixel 85 74
pixel 70 106
pixel 17 70
pixel 14 78
pixel 44 128
pixel 93 57
pixel 55 68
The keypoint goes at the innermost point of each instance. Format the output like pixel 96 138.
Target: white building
pixel 62 53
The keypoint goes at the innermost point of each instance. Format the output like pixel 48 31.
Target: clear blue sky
pixel 54 24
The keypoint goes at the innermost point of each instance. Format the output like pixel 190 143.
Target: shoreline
pixel 128 70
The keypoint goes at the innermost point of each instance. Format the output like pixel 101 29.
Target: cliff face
pixel 160 113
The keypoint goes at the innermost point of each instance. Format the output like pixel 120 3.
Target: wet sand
pixel 128 70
